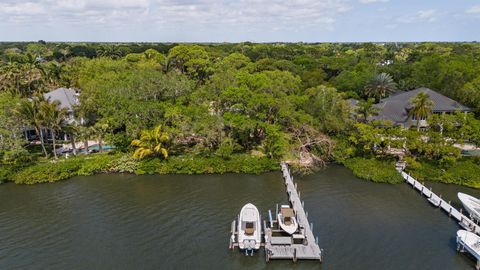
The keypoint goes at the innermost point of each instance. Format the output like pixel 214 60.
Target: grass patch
pixel 380 171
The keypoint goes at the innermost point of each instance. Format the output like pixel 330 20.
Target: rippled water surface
pixel 183 222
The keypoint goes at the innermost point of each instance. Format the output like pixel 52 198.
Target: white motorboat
pixel 469 241
pixel 287 220
pixel 249 228
pixel 471 204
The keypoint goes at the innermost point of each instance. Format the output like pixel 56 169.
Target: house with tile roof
pixel 68 99
pixel 396 108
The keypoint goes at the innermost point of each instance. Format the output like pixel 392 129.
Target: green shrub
pixel 124 164
pixel 17 156
pixel 374 170
pixel 342 150
pixel 190 164
pixel 94 164
pixel 464 172
pixel 227 148
pixel 51 171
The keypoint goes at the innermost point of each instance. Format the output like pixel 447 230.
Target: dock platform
pixel 437 201
pixel 299 246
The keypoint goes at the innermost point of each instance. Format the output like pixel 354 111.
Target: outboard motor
pixel 249 246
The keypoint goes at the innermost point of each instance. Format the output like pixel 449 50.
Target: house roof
pixel 66 96
pixel 353 102
pixel 395 108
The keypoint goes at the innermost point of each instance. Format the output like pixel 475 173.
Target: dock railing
pixel 309 249
pixel 437 201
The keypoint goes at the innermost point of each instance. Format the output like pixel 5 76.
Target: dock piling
pixel 270 218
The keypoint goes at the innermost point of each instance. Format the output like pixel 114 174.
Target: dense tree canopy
pixel 282 101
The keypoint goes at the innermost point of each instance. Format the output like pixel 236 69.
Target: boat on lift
pixel 249 229
pixel 468 241
pixel 471 204
pixel 287 220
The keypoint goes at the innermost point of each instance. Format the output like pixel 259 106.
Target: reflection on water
pixel 183 222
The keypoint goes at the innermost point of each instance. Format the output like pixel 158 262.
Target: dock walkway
pixel 437 201
pixel 308 249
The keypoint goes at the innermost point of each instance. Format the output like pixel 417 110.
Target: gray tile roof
pixel 395 108
pixel 353 102
pixel 66 96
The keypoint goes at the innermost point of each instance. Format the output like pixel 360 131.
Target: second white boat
pixel 471 204
pixel 287 220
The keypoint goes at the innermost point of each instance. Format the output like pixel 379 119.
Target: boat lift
pixel 278 244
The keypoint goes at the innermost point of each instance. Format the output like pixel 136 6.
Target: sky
pixel 241 20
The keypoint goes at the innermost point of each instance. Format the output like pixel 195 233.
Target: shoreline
pixel 374 170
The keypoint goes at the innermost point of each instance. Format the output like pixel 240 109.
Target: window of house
pixel 414 117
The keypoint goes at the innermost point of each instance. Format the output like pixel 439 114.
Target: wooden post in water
pixel 294 255
pixel 270 217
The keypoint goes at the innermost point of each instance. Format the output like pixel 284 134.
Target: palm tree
pixel 421 107
pixel 52 73
pixel 84 134
pixel 10 78
pixel 53 117
pixel 151 142
pixel 29 111
pixel 111 51
pixel 380 85
pixel 99 130
pixel 72 130
pixel 366 109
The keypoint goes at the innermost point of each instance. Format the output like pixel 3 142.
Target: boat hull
pixel 471 204
pixel 469 241
pixel 290 229
pixel 249 240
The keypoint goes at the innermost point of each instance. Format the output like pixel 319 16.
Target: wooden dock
pixel 299 246
pixel 437 201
